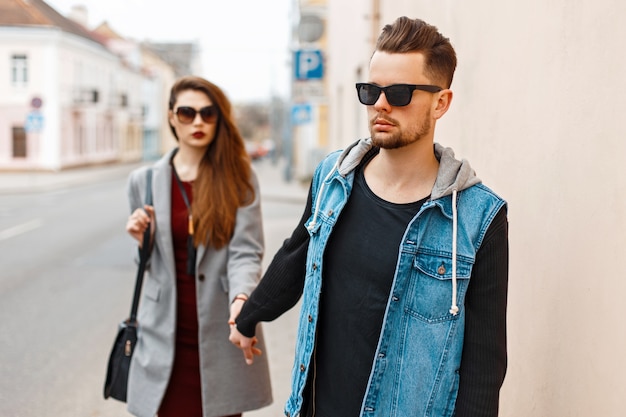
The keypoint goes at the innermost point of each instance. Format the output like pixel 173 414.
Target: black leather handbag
pixel 116 381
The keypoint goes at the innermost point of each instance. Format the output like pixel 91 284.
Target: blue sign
pixel 308 64
pixel 34 122
pixel 301 113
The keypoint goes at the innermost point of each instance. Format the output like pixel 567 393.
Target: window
pixel 19 69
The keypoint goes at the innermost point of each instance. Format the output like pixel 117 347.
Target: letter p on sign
pixel 309 65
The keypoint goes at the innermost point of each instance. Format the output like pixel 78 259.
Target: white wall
pixel 539 97
pixel 349 48
pixel 83 67
pixel 15 101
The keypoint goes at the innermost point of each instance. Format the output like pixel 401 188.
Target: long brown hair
pixel 414 35
pixel 223 183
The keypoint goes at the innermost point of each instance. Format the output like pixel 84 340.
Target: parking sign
pixel 308 64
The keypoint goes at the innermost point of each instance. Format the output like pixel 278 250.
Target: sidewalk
pixel 272 182
pixel 42 181
pixel 275 187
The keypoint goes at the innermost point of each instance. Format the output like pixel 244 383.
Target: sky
pixel 244 44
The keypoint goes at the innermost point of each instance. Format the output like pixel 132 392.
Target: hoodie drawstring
pixel 454 309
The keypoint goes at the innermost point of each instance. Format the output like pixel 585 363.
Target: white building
pixel 158 80
pixel 150 78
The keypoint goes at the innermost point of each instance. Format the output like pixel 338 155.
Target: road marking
pixel 20 228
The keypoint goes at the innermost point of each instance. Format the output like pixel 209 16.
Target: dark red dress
pixel 183 394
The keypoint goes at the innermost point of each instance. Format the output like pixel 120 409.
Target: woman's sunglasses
pixel 187 115
pixel 397 95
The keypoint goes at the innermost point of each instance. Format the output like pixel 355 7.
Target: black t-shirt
pixel 359 264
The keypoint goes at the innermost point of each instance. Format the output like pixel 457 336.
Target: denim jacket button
pixel 302 368
pixel 310 318
pixel 314 266
pixel 441 270
pixel 395 298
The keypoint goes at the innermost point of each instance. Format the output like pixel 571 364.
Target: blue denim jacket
pixel 415 371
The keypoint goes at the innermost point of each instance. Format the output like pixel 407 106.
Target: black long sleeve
pixel 484 361
pixel 283 282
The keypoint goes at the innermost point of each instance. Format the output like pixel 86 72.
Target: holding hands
pixel 246 344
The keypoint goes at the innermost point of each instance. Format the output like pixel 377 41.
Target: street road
pixel 66 280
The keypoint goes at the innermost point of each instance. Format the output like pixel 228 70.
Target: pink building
pixel 66 99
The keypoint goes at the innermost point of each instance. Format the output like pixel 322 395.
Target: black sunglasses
pixel 397 94
pixel 187 115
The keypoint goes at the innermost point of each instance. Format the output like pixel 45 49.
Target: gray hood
pixel 452 175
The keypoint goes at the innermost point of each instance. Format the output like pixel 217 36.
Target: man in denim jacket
pixel 401 257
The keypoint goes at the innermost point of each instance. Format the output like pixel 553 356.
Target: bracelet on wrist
pixel 241 297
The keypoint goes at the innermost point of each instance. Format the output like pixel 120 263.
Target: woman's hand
pixel 242 342
pixel 138 221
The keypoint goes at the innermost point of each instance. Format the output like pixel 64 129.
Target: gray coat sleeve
pixel 246 248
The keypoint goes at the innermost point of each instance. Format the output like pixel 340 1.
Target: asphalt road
pixel 66 280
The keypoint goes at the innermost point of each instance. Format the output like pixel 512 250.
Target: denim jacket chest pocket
pixel 430 288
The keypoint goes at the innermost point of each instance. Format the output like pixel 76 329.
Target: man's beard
pixel 400 138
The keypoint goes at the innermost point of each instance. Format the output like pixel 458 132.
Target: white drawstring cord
pixel 454 309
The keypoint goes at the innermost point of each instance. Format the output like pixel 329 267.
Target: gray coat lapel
pixel 202 252
pixel 162 190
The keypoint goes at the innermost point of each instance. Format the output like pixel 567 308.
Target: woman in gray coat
pixel 207 248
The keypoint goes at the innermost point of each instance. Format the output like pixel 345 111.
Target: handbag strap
pixel 144 253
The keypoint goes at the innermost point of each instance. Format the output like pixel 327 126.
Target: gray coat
pixel 229 386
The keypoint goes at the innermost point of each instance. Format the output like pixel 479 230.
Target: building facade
pixel 60 103
pixel 70 96
pixel 538 96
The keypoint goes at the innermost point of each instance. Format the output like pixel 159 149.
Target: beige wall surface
pixel 540 97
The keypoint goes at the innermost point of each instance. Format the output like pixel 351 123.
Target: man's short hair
pixel 414 35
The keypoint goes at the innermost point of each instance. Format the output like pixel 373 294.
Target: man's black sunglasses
pixel 187 115
pixel 397 94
